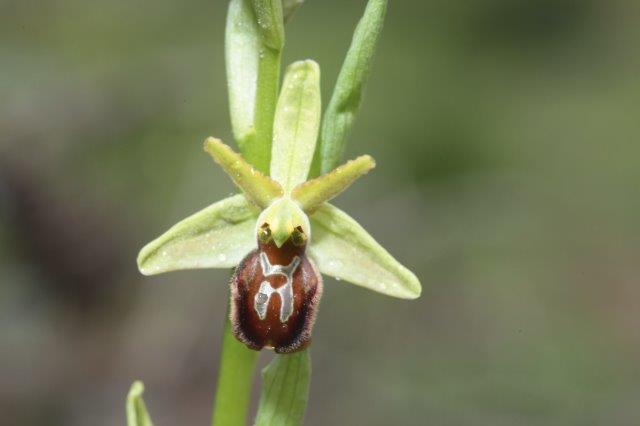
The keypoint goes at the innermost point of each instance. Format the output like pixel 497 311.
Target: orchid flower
pixel 280 233
pixel 282 226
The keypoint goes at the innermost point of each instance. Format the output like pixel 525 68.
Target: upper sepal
pixel 296 124
pixel 217 237
pixel 342 249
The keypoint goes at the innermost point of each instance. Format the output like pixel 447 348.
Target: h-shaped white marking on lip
pixel 263 296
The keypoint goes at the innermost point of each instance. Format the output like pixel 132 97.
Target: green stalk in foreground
pixel 282 221
pixel 235 379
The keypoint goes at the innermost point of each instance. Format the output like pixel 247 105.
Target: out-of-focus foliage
pixel 505 128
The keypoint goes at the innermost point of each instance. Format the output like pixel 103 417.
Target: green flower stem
pixel 268 16
pixel 253 56
pixel 266 98
pixel 237 364
pixel 253 70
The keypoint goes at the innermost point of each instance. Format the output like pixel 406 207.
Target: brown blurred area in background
pixel 506 136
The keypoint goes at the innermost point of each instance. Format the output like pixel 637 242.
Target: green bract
pixel 285 384
pixel 222 234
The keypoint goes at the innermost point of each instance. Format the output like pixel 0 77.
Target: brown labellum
pixel 275 293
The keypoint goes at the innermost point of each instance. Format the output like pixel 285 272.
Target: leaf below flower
pixel 285 390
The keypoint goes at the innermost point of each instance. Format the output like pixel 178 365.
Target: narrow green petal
pixel 311 194
pixel 285 390
pixel 347 94
pixel 217 237
pixel 343 249
pixel 289 7
pixel 258 188
pixel 268 14
pixel 137 414
pixel 296 124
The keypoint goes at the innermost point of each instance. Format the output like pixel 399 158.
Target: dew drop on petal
pixel 334 263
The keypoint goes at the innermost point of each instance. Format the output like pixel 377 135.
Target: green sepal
pixel 312 193
pixel 285 390
pixel 283 217
pixel 217 237
pixel 261 190
pixel 137 414
pixel 296 124
pixel 347 94
pixel 268 15
pixel 342 249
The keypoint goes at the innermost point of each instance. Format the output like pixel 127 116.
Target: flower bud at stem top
pixel 268 15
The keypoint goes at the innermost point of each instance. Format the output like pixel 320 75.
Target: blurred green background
pixel 508 179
